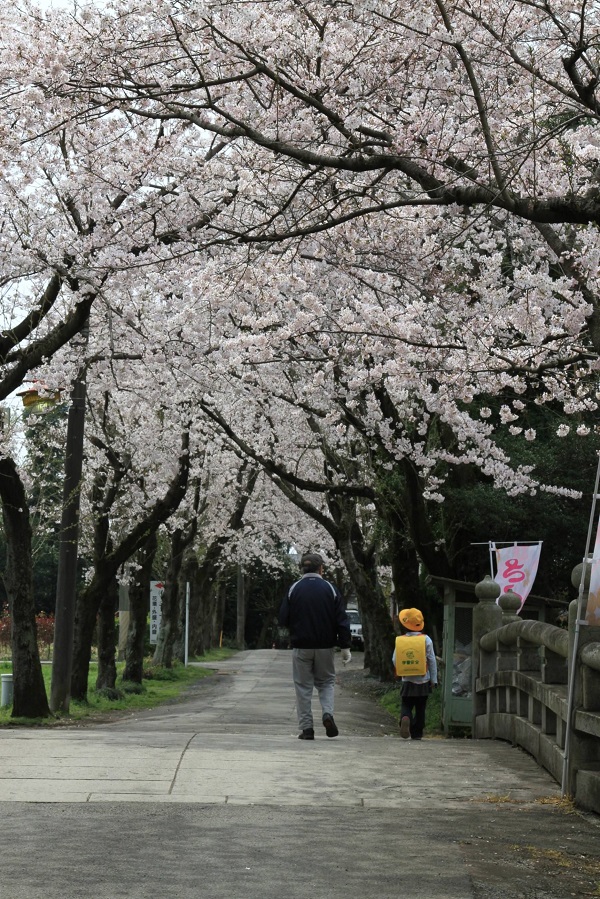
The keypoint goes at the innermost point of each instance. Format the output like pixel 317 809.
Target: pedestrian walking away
pixel 414 661
pixel 314 613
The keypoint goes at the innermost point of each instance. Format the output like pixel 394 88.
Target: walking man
pixel 314 613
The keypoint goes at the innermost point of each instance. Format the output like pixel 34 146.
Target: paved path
pixel 215 797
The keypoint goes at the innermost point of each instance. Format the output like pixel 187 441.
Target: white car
pixel 356 628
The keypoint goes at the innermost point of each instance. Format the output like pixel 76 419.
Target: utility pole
pixel 66 584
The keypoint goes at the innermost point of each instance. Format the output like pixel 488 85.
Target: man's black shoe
pixel 307 734
pixel 330 726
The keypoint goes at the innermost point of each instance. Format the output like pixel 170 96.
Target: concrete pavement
pixel 235 742
pixel 215 797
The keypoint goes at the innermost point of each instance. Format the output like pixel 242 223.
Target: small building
pixel 457 646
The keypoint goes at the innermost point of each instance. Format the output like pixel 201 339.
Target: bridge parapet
pixel 521 688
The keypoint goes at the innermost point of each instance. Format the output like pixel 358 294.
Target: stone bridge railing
pixel 521 686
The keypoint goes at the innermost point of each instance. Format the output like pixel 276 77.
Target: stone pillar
pixel 506 659
pixel 487 616
pixel 554 668
pixel 507 654
pixel 510 604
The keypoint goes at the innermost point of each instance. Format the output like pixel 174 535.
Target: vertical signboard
pixel 156 592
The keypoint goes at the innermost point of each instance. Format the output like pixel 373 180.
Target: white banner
pixel 156 592
pixel 592 615
pixel 517 567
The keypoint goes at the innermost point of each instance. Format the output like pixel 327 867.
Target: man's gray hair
pixel 311 562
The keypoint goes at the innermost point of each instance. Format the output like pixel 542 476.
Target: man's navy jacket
pixel 314 613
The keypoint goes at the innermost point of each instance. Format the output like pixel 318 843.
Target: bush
pixel 45 633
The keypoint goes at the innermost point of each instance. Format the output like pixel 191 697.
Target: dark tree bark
pixel 241 601
pixel 206 624
pixel 361 563
pixel 170 641
pixel 170 607
pixel 107 638
pixel 219 594
pixel 30 699
pixel 139 606
pixel 405 570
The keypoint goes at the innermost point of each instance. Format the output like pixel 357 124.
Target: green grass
pixel 433 710
pixel 161 686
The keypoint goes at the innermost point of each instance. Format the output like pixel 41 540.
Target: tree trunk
pixel 218 613
pixel 170 604
pixel 86 610
pixel 405 570
pixel 198 598
pixel 240 631
pixel 202 636
pixel 30 699
pixel 139 606
pixel 361 564
pixel 187 577
pixel 107 638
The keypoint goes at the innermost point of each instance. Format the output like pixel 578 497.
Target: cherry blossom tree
pixel 376 106
pixel 378 226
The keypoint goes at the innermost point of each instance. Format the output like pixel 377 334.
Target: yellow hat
pixel 411 619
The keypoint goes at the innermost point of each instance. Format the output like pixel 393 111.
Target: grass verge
pixel 433 710
pixel 160 685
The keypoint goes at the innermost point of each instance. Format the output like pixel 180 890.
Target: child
pixel 416 688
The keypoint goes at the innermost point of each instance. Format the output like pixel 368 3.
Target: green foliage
pixel 475 512
pixel 129 686
pixel 159 673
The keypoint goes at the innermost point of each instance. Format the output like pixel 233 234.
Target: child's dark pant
pixel 413 707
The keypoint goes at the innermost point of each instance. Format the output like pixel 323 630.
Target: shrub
pixel 45 633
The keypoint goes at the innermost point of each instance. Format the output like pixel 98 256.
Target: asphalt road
pixel 214 797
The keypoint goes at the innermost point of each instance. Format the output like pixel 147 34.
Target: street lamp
pixel 39 398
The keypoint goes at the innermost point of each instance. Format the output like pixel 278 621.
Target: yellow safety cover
pixel 411 659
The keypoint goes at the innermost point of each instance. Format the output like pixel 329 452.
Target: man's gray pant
pixel 313 668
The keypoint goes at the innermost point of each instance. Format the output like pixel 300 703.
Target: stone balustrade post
pixel 487 616
pixel 506 655
pixel 510 604
pixel 554 668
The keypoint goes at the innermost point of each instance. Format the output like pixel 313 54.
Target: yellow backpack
pixel 411 659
